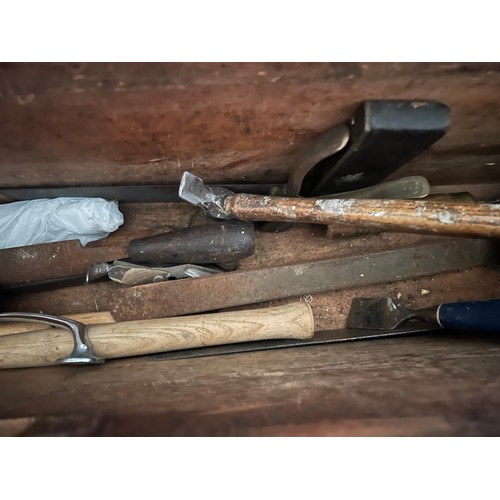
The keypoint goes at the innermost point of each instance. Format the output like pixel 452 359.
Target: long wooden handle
pixel 389 215
pixel 133 338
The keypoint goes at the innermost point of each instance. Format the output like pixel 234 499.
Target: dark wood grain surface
pixel 431 385
pixel 119 123
pixel 437 384
pixel 88 123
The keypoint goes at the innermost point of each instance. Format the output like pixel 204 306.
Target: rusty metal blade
pixel 49 261
pixel 249 287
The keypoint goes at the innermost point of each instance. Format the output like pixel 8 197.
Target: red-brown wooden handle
pixel 413 216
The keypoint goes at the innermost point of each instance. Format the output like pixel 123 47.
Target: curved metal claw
pixel 82 351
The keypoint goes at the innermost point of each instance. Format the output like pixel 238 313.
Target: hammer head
pixel 211 199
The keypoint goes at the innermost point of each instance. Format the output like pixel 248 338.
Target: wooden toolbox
pixel 135 124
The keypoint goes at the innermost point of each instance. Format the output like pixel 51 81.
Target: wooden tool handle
pixel 133 338
pixel 388 215
pixel 90 318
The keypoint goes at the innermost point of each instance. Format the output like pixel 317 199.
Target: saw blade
pixel 320 338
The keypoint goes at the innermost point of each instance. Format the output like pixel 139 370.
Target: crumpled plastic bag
pixel 60 219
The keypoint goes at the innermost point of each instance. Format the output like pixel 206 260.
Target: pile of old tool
pixel 162 281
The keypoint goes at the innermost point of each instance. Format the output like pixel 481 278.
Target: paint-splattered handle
pixel 411 216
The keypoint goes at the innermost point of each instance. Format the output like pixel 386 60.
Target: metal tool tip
pixel 211 199
pixel 191 188
pixel 186 176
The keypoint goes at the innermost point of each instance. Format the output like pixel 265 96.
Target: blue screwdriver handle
pixel 481 316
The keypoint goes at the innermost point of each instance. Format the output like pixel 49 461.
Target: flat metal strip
pixel 238 288
pixel 51 261
pixel 320 338
pixel 124 194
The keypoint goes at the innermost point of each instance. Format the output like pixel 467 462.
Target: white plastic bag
pixel 43 221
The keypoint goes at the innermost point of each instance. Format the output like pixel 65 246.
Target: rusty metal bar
pixel 249 287
pixel 50 261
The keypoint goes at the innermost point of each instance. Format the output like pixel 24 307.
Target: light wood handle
pixel 90 318
pixel 133 338
pixel 410 216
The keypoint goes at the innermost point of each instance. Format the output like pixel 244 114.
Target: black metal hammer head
pixel 211 199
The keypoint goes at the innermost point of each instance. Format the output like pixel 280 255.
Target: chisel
pixel 386 313
pixel 480 220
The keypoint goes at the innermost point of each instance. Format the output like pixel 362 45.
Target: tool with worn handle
pixel 383 136
pixel 388 313
pixel 93 344
pixel 413 216
pixel 411 187
pixel 343 231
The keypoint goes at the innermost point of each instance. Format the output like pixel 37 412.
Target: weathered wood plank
pixel 136 123
pixel 66 124
pixel 437 384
